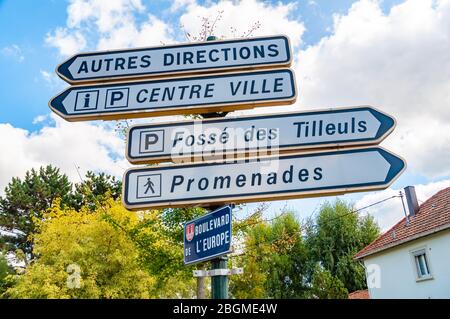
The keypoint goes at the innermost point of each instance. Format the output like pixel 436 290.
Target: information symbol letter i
pixel 86 100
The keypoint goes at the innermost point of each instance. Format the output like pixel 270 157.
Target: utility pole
pixel 201 284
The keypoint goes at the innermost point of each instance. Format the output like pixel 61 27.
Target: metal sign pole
pixel 219 284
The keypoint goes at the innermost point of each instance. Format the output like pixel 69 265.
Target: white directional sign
pixel 270 178
pixel 199 94
pixel 206 139
pixel 176 59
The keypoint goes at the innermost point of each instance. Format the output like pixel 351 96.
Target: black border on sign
pixel 57 105
pixel 397 166
pixel 63 72
pixel 387 125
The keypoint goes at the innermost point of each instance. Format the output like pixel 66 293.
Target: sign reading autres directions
pixel 243 135
pixel 268 178
pixel 187 95
pixel 177 59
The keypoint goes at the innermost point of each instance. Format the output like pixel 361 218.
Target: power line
pixel 353 211
pixel 365 207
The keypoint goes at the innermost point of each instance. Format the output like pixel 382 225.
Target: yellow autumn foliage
pixel 80 254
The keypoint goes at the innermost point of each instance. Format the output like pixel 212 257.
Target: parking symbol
pixel 148 186
pixel 116 98
pixel 86 100
pixel 151 141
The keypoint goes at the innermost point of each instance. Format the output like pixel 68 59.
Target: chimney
pixel 411 200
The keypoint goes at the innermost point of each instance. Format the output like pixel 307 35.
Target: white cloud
pixel 241 16
pixel 398 62
pixel 89 146
pixel 391 211
pixel 40 118
pixel 152 32
pixel 51 80
pixel 107 15
pixel 179 4
pixel 424 142
pixel 67 41
pixel 13 51
pixel 108 25
pixel 235 21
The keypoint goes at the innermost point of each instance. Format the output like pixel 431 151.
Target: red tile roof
pixel 359 294
pixel 433 216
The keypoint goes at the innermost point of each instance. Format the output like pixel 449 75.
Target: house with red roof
pixel 412 259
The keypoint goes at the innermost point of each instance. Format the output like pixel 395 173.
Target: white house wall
pixel 392 273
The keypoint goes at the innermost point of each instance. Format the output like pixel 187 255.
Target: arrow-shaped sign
pixel 206 139
pixel 270 178
pixel 187 95
pixel 199 57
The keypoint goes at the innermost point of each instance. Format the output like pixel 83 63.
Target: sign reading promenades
pixel 208 236
pixel 269 178
pixel 187 95
pixel 252 53
pixel 207 139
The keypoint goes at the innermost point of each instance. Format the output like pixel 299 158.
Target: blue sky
pixel 378 53
pixel 26 25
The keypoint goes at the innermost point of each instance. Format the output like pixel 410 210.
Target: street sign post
pixel 257 179
pixel 122 84
pixel 252 53
pixel 208 236
pixel 252 135
pixel 187 95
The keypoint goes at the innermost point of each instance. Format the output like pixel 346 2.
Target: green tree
pixel 159 238
pixel 26 200
pixel 5 271
pixel 326 286
pixel 81 255
pixel 94 189
pixel 274 261
pixel 334 236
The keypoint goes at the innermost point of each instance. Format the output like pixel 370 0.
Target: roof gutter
pixel 402 241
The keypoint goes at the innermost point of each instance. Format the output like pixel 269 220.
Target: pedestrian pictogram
pixel 149 186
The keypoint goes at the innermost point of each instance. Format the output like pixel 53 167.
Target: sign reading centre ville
pixel 152 143
pixel 176 59
pixel 258 179
pixel 208 236
pixel 187 95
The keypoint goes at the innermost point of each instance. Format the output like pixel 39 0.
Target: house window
pixel 422 264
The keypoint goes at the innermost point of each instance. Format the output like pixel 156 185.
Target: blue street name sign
pixel 208 236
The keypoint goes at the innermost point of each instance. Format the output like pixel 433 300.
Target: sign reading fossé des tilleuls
pixel 208 236
pixel 198 94
pixel 270 178
pixel 175 59
pixel 257 134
